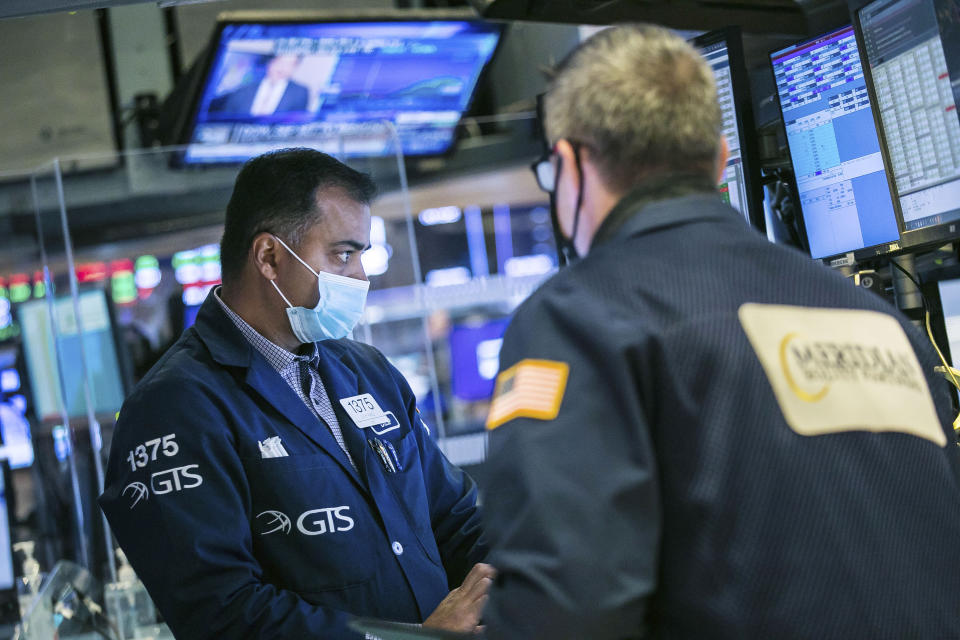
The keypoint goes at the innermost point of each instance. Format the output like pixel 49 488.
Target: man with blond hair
pixel 697 433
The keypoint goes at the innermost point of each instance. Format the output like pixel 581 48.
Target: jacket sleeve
pixel 179 503
pixel 571 504
pixel 454 511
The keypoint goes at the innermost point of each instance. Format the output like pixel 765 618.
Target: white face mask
pixel 341 304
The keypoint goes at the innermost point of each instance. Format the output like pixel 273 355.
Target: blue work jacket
pixel 233 544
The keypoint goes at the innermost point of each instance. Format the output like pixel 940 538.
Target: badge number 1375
pixel 143 454
pixel 364 410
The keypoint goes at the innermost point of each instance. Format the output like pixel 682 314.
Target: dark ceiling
pixel 786 17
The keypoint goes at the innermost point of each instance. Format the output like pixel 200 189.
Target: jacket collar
pixel 225 341
pixel 665 201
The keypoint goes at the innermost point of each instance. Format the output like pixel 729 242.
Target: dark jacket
pixel 670 497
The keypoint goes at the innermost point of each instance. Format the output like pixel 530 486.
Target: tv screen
pixel 274 85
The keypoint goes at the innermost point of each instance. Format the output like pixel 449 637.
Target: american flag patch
pixel 529 389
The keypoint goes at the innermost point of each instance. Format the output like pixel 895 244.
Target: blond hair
pixel 642 99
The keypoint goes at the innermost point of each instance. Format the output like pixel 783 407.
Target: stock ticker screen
pixel 279 85
pixel 913 49
pixel 843 187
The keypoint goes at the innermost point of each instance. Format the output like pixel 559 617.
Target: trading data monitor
pixel 282 84
pixel 48 370
pixel 844 192
pixel 722 50
pixel 912 49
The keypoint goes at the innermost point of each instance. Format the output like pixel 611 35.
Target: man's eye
pixel 344 256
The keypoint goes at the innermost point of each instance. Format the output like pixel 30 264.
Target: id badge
pixel 364 411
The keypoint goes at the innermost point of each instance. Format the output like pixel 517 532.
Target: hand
pixel 461 609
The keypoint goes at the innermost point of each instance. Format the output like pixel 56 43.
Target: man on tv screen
pixel 274 93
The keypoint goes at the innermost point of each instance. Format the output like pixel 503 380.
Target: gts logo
pixel 310 523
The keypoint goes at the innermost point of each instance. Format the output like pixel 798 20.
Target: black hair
pixel 277 192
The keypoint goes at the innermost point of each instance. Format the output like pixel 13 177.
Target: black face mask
pixel 566 251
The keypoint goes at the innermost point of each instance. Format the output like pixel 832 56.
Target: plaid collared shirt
pixel 299 371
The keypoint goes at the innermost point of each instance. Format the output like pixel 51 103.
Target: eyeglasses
pixel 545 171
pixel 545 167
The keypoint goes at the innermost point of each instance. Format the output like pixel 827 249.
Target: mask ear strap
pixel 281 294
pixel 309 268
pixel 576 216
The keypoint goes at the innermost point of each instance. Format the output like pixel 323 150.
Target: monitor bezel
pixel 225 19
pixel 732 36
pixel 864 253
pixel 917 239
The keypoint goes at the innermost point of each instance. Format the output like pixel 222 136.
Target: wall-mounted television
pixel 276 82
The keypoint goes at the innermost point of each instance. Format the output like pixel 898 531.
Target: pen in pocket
pixel 380 450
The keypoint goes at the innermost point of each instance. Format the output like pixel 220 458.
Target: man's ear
pixel 266 253
pixel 568 158
pixel 723 154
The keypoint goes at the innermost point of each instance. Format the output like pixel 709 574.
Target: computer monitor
pixel 912 54
pixel 274 83
pixel 845 196
pixel 451 245
pixel 723 50
pixel 523 237
pixel 99 345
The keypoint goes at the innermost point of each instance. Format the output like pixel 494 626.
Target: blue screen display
pixel 55 360
pixel 843 187
pixel 280 85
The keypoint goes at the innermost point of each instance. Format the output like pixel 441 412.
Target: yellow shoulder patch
pixel 529 389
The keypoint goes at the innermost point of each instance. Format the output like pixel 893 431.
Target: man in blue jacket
pixel 270 477
pixel 697 433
